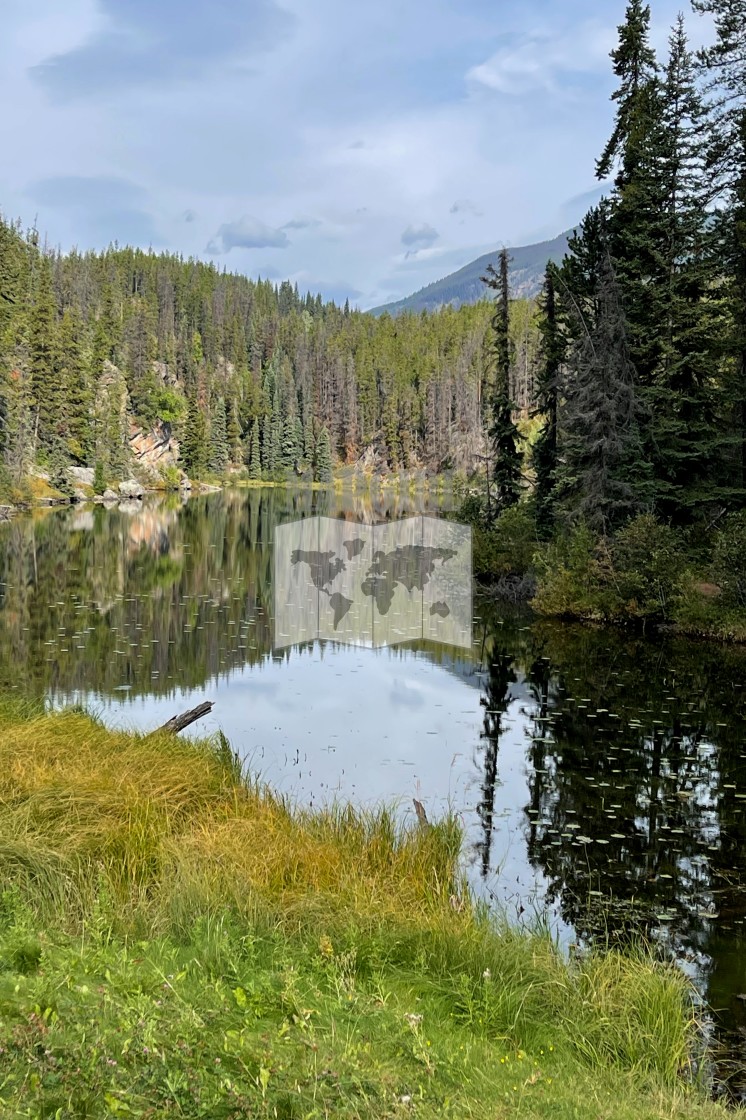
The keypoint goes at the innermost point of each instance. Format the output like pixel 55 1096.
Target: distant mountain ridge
pixel 527 268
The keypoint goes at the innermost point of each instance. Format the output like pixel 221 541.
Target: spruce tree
pixel 724 68
pixel 505 458
pixel 234 433
pixel 635 67
pixel 686 440
pixel 75 375
pixel 638 196
pixel 255 463
pixel 47 389
pixel 290 451
pixel 603 476
pixel 193 446
pixel 323 457
pixel 545 447
pixel 219 451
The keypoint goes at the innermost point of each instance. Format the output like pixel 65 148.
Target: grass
pixel 178 941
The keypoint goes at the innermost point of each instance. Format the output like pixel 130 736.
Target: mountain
pixel 527 269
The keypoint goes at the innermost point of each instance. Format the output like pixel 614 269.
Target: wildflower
pixel 110 1062
pixel 486 975
pixel 413 1020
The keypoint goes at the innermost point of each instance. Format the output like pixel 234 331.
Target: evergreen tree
pixel 323 457
pixel 73 365
pixel 47 389
pixel 234 434
pixel 255 464
pixel 635 67
pixel 194 441
pixel 686 440
pixel 290 451
pixel 603 476
pixel 724 68
pixel 504 437
pixel 545 447
pixel 219 450
pixel 638 197
pixel 299 439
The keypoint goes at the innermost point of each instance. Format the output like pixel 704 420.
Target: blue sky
pixel 361 149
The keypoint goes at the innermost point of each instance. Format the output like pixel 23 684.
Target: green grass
pixel 177 941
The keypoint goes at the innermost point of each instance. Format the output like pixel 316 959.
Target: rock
pixel 5 513
pixel 185 484
pixel 79 495
pixel 82 475
pixel 130 490
pixel 109 496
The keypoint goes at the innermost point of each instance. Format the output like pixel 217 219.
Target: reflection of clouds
pixel 404 695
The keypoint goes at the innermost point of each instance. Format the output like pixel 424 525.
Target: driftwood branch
pixel 178 723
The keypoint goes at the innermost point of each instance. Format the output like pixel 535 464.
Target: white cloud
pixel 333 141
pixel 539 60
pixel 246 233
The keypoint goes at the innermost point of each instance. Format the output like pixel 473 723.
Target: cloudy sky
pixel 362 148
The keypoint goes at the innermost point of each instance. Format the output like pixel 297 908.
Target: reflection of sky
pixel 368 726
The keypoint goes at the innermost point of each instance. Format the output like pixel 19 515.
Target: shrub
pixel 572 575
pixel 649 565
pixel 729 560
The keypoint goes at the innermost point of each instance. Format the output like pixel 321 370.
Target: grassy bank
pixel 176 941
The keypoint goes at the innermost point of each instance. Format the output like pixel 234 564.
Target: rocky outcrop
pixel 154 449
pixel 81 476
pixel 131 489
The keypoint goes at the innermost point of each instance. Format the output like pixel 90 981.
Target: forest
pixel 619 392
pixel 244 375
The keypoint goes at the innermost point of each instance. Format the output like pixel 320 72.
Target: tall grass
pixel 145 836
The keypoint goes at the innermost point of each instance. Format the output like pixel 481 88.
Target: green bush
pixel 637 574
pixel 171 478
pixel 729 560
pixel 571 575
pixel 649 565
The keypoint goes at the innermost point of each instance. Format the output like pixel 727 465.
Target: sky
pixel 361 148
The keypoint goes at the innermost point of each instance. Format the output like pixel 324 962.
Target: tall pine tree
pixel 505 458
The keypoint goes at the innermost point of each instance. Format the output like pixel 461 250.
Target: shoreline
pixel 176 936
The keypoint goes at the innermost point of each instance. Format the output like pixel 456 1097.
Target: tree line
pixel 641 388
pixel 245 374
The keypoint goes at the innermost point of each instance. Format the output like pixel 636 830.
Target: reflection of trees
pixel 636 793
pixel 162 597
pixel 495 700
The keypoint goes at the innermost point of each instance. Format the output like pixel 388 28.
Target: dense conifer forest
pixel 244 374
pixel 621 391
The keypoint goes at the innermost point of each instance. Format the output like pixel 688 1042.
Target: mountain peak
pixel 527 268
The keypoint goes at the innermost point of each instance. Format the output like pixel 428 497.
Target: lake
pixel 600 775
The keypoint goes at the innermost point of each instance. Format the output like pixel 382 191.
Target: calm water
pixel 601 777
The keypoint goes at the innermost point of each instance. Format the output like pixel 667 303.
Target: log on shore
pixel 178 723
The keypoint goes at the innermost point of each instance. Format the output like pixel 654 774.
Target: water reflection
pixel 601 777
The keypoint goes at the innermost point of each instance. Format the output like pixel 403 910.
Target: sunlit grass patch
pixel 176 939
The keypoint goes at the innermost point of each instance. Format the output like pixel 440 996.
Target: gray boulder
pixel 130 490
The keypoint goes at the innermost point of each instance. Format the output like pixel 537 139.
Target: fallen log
pixel 178 723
